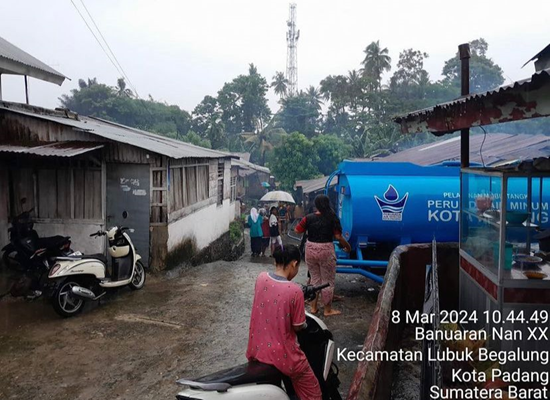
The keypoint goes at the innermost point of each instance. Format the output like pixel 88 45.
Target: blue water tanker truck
pixel 382 205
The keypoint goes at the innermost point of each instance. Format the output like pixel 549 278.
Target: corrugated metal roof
pixel 247 165
pixel 243 156
pixel 313 185
pixel 524 99
pixel 498 147
pixel 500 89
pixel 15 61
pixel 57 149
pixel 123 134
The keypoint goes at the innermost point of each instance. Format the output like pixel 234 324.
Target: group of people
pixel 267 225
pixel 278 311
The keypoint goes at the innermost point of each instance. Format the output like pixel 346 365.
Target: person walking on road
pixel 322 227
pixel 255 223
pixel 275 230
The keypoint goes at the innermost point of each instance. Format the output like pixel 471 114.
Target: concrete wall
pixel 79 233
pixel 403 289
pixel 204 226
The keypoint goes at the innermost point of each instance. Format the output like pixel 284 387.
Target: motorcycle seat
pixel 251 372
pixel 50 242
pixel 99 257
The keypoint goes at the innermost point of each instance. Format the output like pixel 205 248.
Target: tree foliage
pixel 331 150
pixel 375 63
pixel 346 115
pixel 115 104
pixel 280 84
pixel 301 113
pixel 484 73
pixel 243 103
pixel 294 160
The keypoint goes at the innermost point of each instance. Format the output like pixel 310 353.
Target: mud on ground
pixel 134 345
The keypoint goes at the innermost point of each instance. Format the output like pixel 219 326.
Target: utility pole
pixel 464 53
pixel 292 36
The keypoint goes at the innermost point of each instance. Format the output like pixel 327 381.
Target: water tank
pixel 398 203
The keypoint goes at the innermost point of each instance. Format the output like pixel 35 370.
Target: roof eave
pixel 10 67
pixel 522 100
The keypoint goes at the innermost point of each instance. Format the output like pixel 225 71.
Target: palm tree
pixel 314 96
pixel 82 84
pixel 263 142
pixel 376 62
pixel 353 77
pixel 280 84
pixel 122 90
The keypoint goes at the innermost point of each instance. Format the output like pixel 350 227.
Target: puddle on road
pixel 147 320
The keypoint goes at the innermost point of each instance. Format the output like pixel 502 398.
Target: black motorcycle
pixel 28 257
pixel 25 244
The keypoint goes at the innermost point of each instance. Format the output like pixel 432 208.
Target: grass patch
pixel 235 231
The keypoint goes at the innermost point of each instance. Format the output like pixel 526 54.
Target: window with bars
pixel 188 185
pixel 221 171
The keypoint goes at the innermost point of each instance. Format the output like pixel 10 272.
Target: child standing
pixel 277 314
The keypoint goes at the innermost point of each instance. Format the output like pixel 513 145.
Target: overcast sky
pixel 180 51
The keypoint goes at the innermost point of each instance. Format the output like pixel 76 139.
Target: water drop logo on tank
pixel 391 205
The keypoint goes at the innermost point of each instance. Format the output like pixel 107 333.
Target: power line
pixel 120 70
pixel 112 52
pixel 96 38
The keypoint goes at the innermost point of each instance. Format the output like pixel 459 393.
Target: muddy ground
pixel 134 345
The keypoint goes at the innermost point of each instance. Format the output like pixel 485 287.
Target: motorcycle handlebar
pixel 311 291
pixel 98 233
pixel 103 233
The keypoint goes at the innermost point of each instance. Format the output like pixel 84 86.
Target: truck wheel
pixel 138 280
pixel 65 303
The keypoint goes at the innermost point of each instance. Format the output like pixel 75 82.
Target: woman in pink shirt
pixel 277 314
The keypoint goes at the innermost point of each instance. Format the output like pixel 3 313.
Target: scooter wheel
pixel 138 280
pixel 64 302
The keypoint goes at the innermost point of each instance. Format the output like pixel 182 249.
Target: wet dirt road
pixel 134 345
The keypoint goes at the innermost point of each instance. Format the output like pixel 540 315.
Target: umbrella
pixel 266 185
pixel 278 195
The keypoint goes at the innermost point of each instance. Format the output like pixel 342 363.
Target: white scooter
pixel 78 278
pixel 255 380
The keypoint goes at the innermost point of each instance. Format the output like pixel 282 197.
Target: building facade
pixel 82 174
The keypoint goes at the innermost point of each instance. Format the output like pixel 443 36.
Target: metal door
pixel 128 202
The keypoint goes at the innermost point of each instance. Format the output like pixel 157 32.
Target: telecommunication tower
pixel 292 36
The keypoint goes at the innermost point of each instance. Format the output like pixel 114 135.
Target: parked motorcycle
pixel 29 257
pixel 21 252
pixel 78 278
pixel 255 380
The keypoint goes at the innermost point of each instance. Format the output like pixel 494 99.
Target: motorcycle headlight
pixel 54 269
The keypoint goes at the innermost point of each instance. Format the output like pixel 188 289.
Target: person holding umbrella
pixel 322 226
